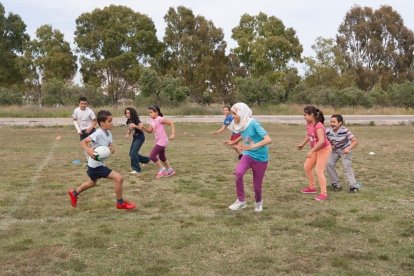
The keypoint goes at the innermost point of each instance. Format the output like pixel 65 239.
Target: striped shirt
pixel 340 139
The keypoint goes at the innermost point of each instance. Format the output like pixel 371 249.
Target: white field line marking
pixel 4 223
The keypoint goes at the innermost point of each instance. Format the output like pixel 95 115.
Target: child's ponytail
pixel 316 112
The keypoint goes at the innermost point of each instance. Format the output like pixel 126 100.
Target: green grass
pixel 33 111
pixel 182 225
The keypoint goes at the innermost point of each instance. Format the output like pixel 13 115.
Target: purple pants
pixel 159 151
pixel 258 169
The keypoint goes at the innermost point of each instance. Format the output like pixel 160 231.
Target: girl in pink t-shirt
pixel 157 155
pixel 319 152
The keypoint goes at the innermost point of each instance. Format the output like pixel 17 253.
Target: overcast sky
pixel 309 18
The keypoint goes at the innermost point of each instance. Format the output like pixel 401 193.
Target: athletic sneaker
pixel 321 197
pixel 73 198
pixel 237 205
pixel 126 205
pixel 161 173
pixel 170 172
pixel 134 172
pixel 353 190
pixel 336 187
pixel 308 190
pixel 258 206
pixel 240 156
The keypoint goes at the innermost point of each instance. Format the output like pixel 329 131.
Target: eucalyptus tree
pixel 195 53
pixel 377 46
pixel 48 58
pixel 265 46
pixel 12 38
pixel 114 43
pixel 328 67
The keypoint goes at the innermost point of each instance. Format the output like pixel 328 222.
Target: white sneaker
pixel 258 206
pixel 237 205
pixel 134 172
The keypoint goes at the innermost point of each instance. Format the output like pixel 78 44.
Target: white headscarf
pixel 245 114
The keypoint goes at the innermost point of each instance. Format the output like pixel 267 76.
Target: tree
pixel 12 38
pixel 195 53
pixel 255 90
pixel 377 46
pixel 328 68
pixel 48 58
pixel 114 43
pixel 265 45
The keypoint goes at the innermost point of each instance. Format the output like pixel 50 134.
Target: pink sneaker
pixel 170 172
pixel 308 190
pixel 161 173
pixel 321 197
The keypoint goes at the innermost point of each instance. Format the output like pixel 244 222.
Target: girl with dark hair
pixel 157 155
pixel 138 139
pixel 320 149
pixel 342 141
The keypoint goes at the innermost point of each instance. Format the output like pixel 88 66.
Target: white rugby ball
pixel 101 153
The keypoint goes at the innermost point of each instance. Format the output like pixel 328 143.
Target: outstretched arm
pixel 223 127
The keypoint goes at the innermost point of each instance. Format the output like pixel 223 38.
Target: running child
pixel 138 138
pixel 227 121
pixel 255 154
pixel 97 169
pixel 319 152
pixel 157 155
pixel 342 141
pixel 84 120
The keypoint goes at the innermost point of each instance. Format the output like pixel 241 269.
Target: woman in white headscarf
pixel 255 154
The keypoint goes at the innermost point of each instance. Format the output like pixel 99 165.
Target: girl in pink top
pixel 157 155
pixel 319 152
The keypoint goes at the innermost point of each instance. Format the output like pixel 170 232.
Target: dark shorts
pixel 84 134
pixel 234 136
pixel 98 172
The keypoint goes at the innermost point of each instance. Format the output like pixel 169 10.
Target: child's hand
pixel 140 126
pixel 132 126
pixel 91 153
pixel 346 151
pixel 111 148
pixel 243 147
pixel 299 147
pixel 172 136
pixel 308 154
pixel 230 143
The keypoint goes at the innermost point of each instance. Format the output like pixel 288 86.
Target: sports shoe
pixel 170 172
pixel 126 205
pixel 237 205
pixel 240 156
pixel 73 198
pixel 321 197
pixel 336 187
pixel 308 190
pixel 353 190
pixel 134 172
pixel 258 206
pixel 161 173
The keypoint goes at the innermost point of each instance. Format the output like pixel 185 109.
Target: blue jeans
pixel 137 158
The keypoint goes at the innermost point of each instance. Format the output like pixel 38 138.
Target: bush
pixel 10 96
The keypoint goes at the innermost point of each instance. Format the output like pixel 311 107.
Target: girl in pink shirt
pixel 319 152
pixel 157 155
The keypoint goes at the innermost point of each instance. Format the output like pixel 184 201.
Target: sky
pixel 309 18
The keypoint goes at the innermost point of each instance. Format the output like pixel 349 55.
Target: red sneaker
pixel 126 205
pixel 73 198
pixel 321 197
pixel 308 190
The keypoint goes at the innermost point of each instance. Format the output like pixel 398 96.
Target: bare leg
pixel 118 183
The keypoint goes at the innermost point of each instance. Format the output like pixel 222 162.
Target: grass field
pixel 183 226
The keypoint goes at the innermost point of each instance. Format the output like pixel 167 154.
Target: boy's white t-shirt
pixel 83 117
pixel 100 137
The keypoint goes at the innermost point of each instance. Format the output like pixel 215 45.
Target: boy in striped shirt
pixel 342 141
